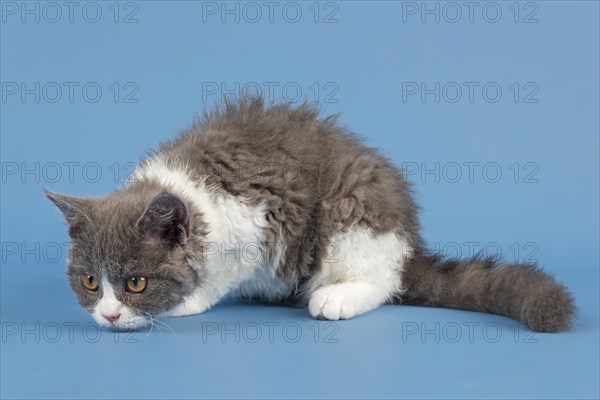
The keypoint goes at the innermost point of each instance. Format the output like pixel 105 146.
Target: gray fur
pixel 317 179
pixel 107 241
pixel 520 291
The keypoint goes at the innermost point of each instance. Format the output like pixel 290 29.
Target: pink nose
pixel 111 318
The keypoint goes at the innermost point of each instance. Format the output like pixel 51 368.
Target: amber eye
pixel 137 284
pixel 89 282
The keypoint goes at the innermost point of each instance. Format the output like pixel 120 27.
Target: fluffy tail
pixel 521 291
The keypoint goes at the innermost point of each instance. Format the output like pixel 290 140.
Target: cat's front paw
pixel 190 306
pixel 332 303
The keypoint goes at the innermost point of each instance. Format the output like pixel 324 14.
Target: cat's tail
pixel 521 291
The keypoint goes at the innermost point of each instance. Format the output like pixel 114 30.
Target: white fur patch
pixel 360 272
pixel 109 305
pixel 266 284
pixel 235 239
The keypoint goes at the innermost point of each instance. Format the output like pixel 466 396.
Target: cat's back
pixel 290 153
pixel 250 132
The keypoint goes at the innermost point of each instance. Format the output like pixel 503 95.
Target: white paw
pixel 190 306
pixel 332 303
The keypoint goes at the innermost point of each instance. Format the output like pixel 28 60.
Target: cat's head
pixel 131 254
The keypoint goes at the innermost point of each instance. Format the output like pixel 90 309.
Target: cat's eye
pixel 137 284
pixel 89 282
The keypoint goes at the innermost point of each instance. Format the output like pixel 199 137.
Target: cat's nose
pixel 111 318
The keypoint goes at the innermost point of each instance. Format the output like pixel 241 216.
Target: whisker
pixel 165 324
pixel 151 325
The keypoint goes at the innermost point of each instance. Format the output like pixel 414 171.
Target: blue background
pixel 173 53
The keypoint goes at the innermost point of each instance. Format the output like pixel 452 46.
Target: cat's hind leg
pixel 346 300
pixel 360 271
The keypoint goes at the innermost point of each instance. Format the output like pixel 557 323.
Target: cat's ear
pixel 166 219
pixel 73 208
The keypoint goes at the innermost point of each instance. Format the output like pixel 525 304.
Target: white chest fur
pixel 235 259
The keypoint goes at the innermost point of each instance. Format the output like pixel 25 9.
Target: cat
pixel 279 204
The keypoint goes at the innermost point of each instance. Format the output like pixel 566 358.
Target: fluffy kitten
pixel 278 204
